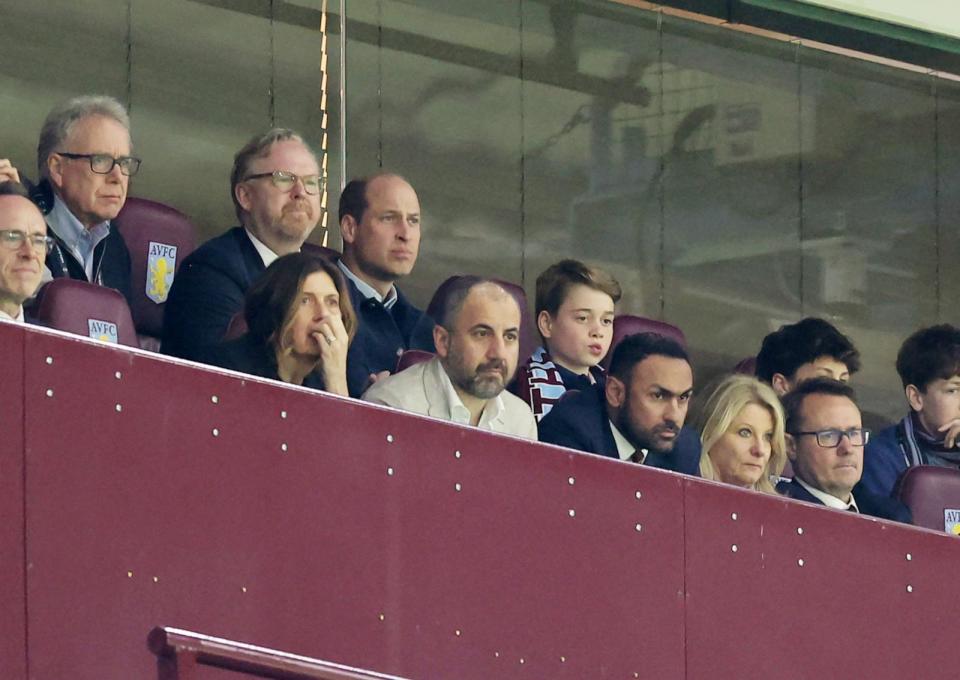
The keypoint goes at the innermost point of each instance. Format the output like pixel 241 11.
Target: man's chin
pixel 486 388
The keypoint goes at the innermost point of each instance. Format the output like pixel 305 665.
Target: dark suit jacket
pixel 382 335
pixel 580 421
pixel 208 290
pixel 869 503
pixel 111 263
pixel 246 355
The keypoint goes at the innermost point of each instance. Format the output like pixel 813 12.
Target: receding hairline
pixel 489 291
pixel 6 198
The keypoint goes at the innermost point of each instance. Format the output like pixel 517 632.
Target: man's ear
pixel 55 170
pixel 615 392
pixel 242 193
pixel 348 229
pixel 914 397
pixel 780 384
pixel 791 443
pixel 441 340
pixel 544 323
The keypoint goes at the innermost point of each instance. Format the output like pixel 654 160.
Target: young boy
pixel 929 367
pixel 575 307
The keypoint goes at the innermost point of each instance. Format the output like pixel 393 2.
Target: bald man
pixel 23 246
pixel 477 347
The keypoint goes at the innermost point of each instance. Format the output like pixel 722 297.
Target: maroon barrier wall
pixel 158 493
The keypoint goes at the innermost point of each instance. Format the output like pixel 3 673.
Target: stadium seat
pixel 931 493
pixel 528 341
pixel 159 238
pixel 746 366
pixel 331 254
pixel 627 324
pixel 86 309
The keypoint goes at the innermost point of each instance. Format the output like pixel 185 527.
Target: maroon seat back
pixel 86 309
pixel 626 324
pixel 932 493
pixel 412 357
pixel 236 327
pixel 158 238
pixel 746 366
pixel 528 340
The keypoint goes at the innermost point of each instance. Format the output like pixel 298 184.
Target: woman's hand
pixel 333 341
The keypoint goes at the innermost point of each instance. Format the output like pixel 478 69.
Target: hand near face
pixel 8 173
pixel 333 340
pixel 952 430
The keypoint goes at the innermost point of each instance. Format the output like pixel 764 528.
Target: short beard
pixel 481 386
pixel 640 438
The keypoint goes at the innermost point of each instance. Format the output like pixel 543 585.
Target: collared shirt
pixel 459 413
pixel 368 291
pixel 624 448
pixel 827 499
pixel 16 319
pixel 79 240
pixel 267 255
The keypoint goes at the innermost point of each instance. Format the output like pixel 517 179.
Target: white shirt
pixel 624 448
pixel 267 255
pixel 827 499
pixel 79 240
pixel 16 319
pixel 425 388
pixel 368 291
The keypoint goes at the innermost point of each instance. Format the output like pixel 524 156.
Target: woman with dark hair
pixel 299 326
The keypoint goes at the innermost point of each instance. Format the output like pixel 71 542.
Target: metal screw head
pixel 283 447
pixel 49 393
pixel 457 454
pixel 800 531
pixel 909 557
pixel 571 481
pixel 734 548
pixel 639 495
pixel 118 375
pixel 283 414
pixel 733 516
pixel 156 579
pixel 216 432
pixel 129 574
pixel 390 471
pixel 49 360
pixel 119 407
pixel 800 562
pixel 457 633
pixel 909 589
pixel 389 438
pixel 572 512
pixel 458 486
pixel 243 588
pixel 215 399
pixel 382 617
pixel 563 659
pixel 638 527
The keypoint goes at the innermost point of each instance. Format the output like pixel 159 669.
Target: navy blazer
pixel 868 503
pixel 207 292
pixel 246 355
pixel 580 421
pixel 382 335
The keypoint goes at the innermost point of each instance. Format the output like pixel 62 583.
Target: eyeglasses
pixel 12 239
pixel 102 163
pixel 284 181
pixel 831 438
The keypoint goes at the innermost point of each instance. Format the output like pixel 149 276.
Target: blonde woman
pixel 742 435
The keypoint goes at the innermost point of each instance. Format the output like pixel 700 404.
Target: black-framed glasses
pixel 102 163
pixel 12 239
pixel 830 438
pixel 284 181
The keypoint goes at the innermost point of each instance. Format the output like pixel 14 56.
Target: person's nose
pixel 596 329
pixel 761 447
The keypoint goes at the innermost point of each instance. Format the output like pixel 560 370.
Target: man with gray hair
pixel 275 186
pixel 85 166
pixel 477 342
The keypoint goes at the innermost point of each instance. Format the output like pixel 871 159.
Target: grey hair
pixel 61 119
pixel 259 147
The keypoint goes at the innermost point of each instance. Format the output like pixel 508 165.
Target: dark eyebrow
pixel 660 388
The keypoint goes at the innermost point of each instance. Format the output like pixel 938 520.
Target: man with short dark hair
pixel 380 227
pixel 929 366
pixel 809 348
pixel 825 440
pixel 638 414
pixel 477 343
pixel 23 246
pixel 85 166
pixel 275 186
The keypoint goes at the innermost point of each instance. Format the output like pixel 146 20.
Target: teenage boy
pixel 929 367
pixel 810 348
pixel 575 307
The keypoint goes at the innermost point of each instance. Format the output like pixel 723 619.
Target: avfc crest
pixel 161 262
pixel 951 521
pixel 102 330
